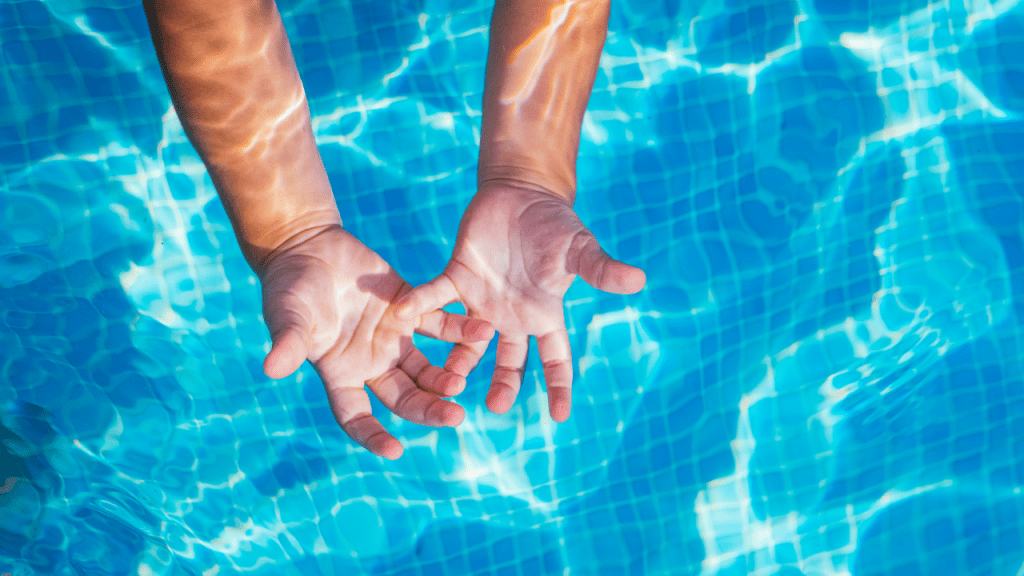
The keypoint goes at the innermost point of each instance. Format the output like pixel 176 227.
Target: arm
pixel 327 298
pixel 520 244
pixel 541 65
pixel 235 87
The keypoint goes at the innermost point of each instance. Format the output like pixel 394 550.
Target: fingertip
pixel 394 451
pixel 455 415
pixel 274 368
pixel 403 309
pixel 455 384
pixel 389 448
pixel 559 413
pixel 636 281
pixel 481 329
pixel 285 356
pixel 500 399
pixel 457 365
pixel 628 279
pixel 444 413
pixel 559 404
pixel 448 384
pixel 270 365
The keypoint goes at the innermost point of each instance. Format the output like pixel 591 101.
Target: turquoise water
pixel 822 377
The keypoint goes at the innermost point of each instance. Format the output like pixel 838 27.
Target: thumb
pixel 603 272
pixel 290 347
pixel 428 297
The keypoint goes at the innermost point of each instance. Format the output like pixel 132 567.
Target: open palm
pixel 518 250
pixel 329 299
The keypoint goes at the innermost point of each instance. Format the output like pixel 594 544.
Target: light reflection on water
pixel 706 438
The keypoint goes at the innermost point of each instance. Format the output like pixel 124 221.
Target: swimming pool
pixel 822 377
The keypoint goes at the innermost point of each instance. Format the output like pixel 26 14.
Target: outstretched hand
pixel 518 250
pixel 329 299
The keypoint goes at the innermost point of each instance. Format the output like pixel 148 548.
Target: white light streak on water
pixel 395 73
pixel 641 345
pixel 424 41
pixel 725 519
pixel 325 126
pixel 730 528
pixel 983 10
pixel 752 70
pixel 481 463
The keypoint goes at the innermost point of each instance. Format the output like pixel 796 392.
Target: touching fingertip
pixel 455 385
pixel 483 329
pixel 403 309
pixel 458 366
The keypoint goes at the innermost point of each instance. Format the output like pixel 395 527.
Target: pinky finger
pixel 369 433
pixel 351 408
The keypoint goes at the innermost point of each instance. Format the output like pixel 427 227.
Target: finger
pixel 435 294
pixel 398 392
pixel 600 270
pixel 433 379
pixel 351 408
pixel 288 352
pixel 509 367
pixel 450 327
pixel 556 355
pixel 464 357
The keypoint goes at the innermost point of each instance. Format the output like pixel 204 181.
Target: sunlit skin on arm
pixel 326 296
pixel 520 244
pixel 235 87
pixel 541 64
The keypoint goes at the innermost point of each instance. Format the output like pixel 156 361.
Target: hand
pixel 517 252
pixel 329 299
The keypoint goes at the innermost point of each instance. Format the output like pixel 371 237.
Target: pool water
pixel 823 375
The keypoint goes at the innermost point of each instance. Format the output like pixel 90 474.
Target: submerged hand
pixel 329 299
pixel 517 252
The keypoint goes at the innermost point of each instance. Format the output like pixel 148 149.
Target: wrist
pixel 292 235
pixel 269 216
pixel 516 175
pixel 276 194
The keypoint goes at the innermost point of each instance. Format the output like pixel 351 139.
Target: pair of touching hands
pixel 329 299
pixel 335 302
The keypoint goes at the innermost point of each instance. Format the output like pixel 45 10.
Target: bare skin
pixel 520 243
pixel 327 298
pixel 520 246
pixel 517 252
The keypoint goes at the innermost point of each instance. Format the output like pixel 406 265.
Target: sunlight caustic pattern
pixel 823 376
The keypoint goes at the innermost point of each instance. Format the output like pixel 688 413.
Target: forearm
pixel 541 65
pixel 235 87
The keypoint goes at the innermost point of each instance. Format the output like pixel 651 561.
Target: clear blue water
pixel 822 377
